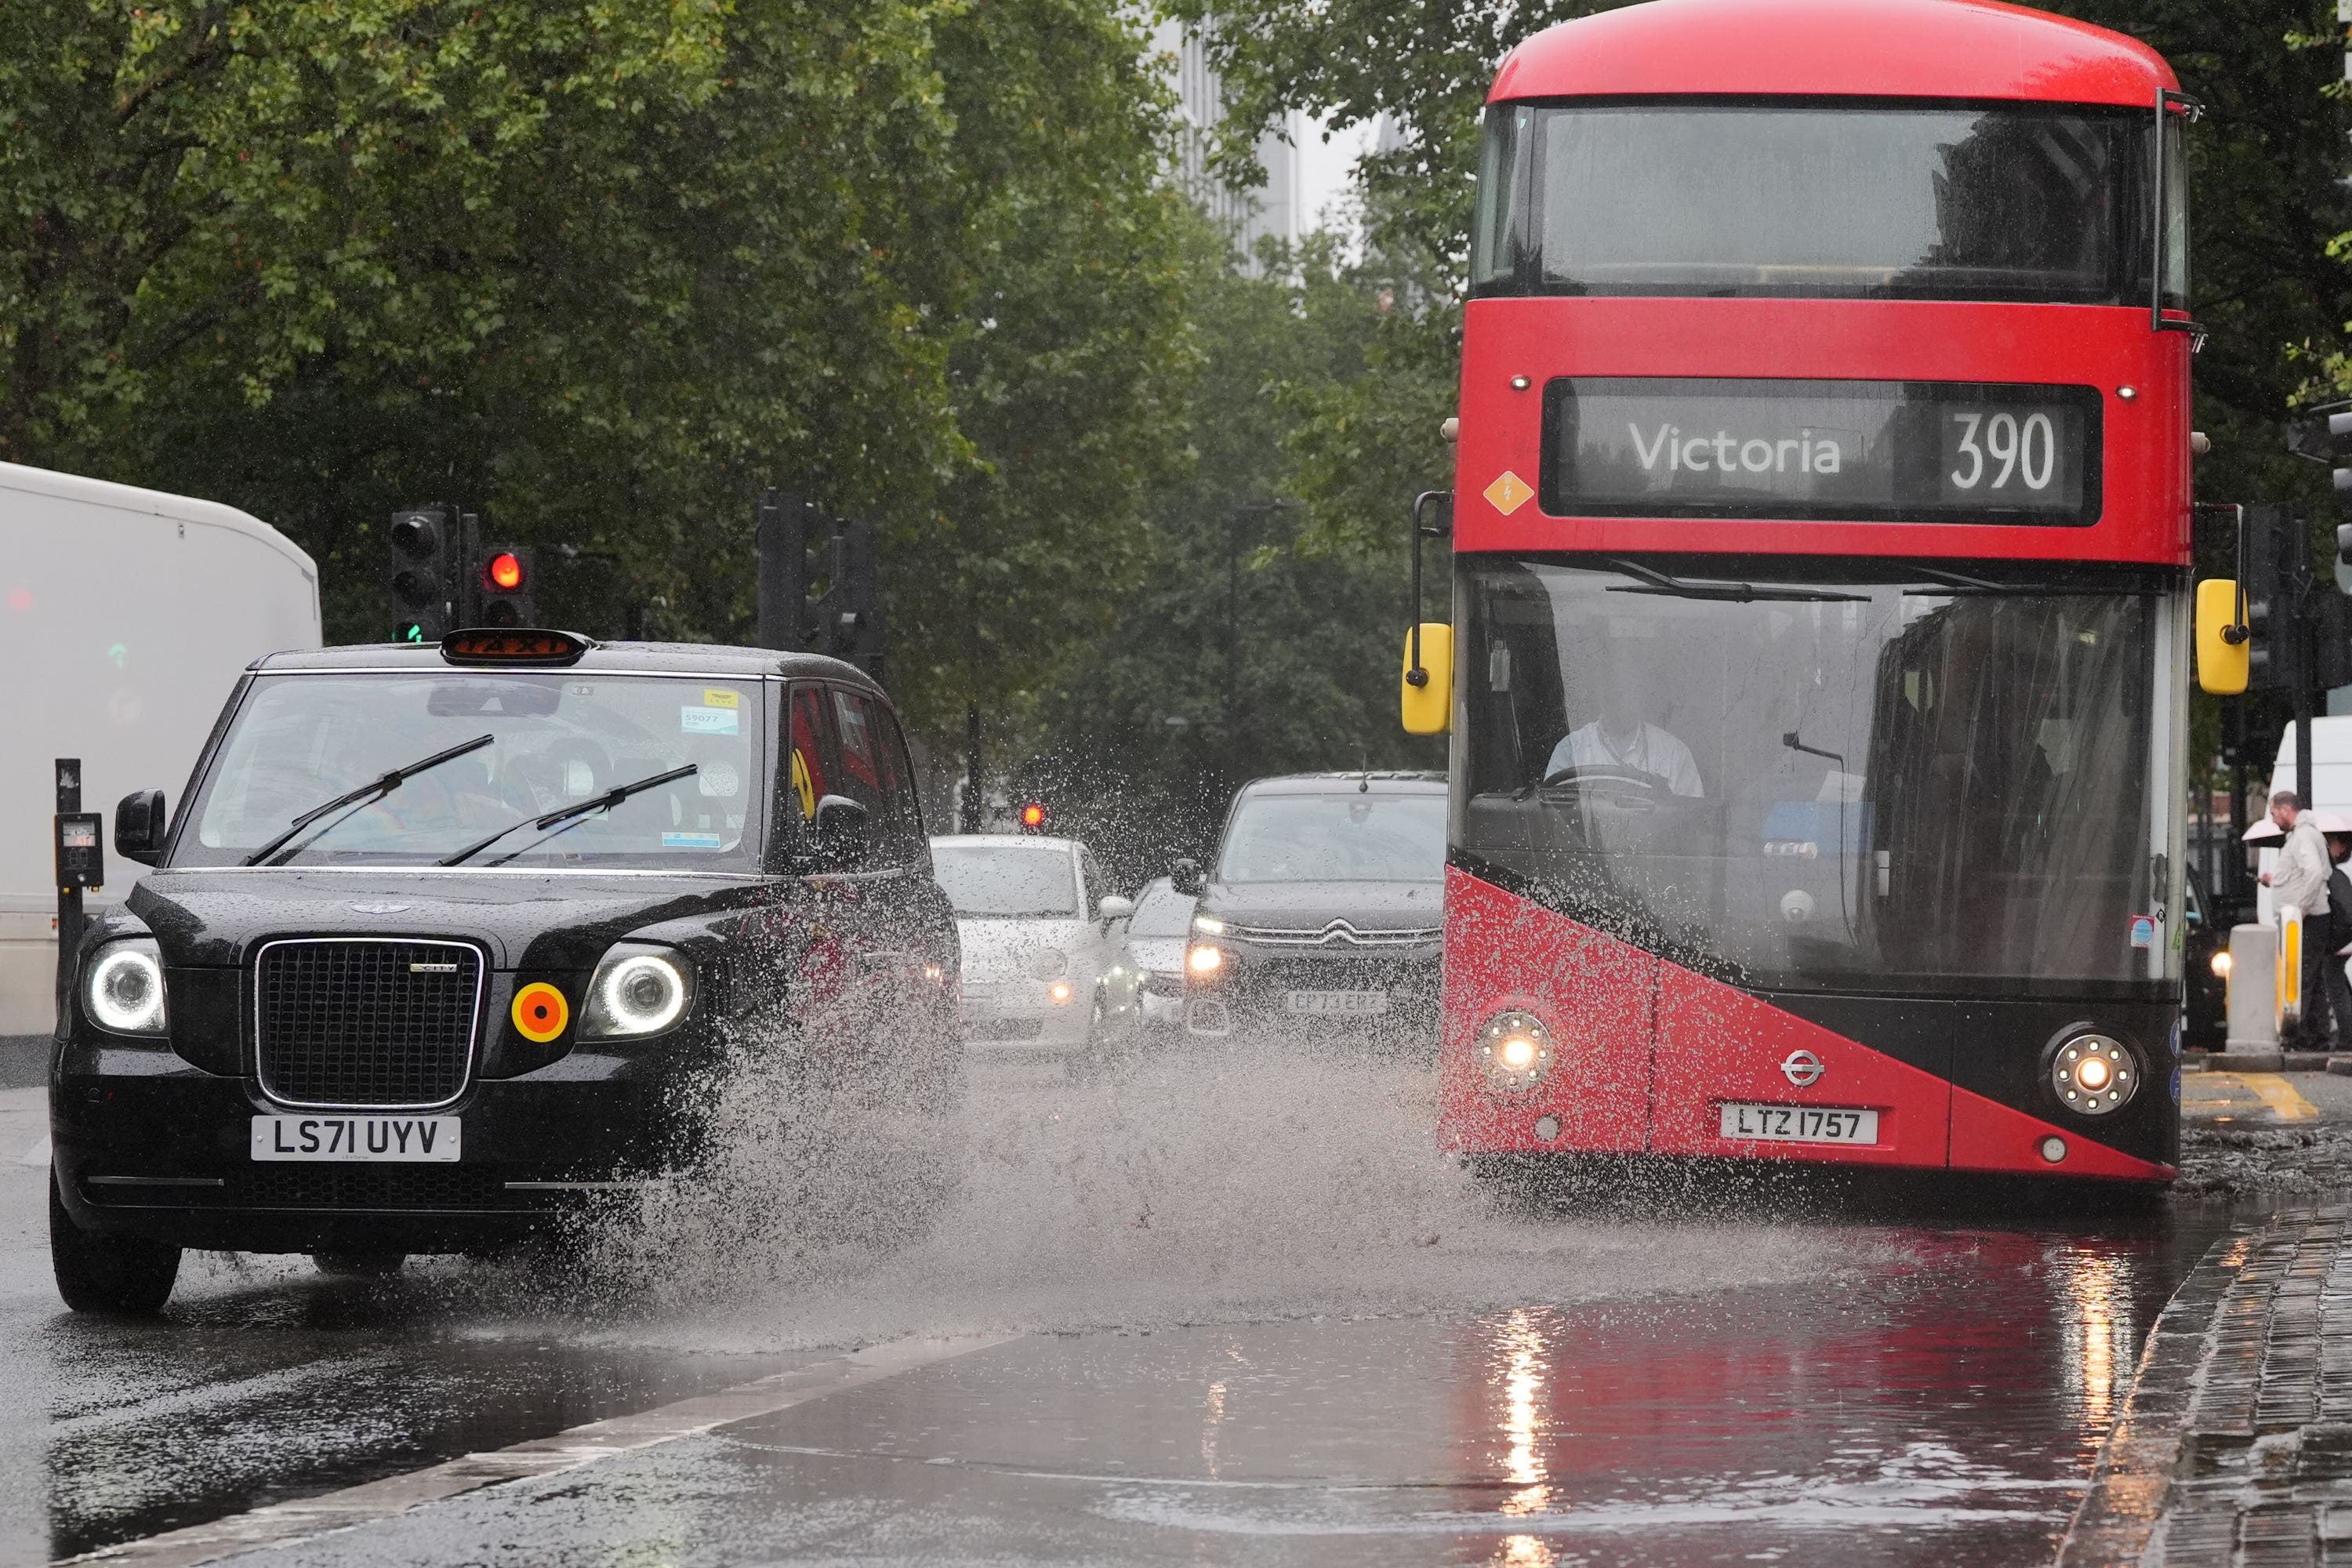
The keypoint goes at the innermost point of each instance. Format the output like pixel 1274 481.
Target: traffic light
pixel 800 546
pixel 2326 437
pixel 423 551
pixel 2274 592
pixel 508 581
pixel 1033 816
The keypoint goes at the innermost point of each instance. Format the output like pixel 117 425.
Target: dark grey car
pixel 1323 917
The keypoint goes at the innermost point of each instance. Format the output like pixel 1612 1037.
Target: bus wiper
pixel 366 794
pixel 1955 583
pixel 1727 588
pixel 570 814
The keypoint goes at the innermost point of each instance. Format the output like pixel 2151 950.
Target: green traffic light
pixel 411 632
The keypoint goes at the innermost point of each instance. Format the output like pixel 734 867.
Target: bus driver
pixel 1621 739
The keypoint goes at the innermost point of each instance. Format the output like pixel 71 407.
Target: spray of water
pixel 1236 1182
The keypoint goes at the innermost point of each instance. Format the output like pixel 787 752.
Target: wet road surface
pixel 1209 1326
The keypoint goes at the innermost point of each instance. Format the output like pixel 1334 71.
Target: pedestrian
pixel 2339 934
pixel 2299 877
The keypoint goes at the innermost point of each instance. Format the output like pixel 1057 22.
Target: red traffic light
pixel 1033 816
pixel 504 572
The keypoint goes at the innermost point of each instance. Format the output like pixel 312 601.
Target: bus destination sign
pixel 1900 451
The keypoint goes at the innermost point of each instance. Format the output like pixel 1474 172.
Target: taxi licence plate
pixel 1798 1124
pixel 408 1139
pixel 1341 1003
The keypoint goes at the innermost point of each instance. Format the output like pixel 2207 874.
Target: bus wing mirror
pixel 2224 659
pixel 1428 686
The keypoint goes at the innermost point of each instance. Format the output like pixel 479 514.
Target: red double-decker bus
pixel 1818 664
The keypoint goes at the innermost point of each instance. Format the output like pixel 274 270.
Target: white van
pixel 126 616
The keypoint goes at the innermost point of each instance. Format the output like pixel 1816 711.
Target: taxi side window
pixel 806 771
pixel 874 773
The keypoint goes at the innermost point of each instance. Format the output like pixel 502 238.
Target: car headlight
pixel 1515 1052
pixel 638 989
pixel 124 989
pixel 1048 962
pixel 1203 959
pixel 2222 963
pixel 2094 1074
pixel 1208 926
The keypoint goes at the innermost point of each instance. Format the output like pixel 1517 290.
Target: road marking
pixel 2207 1095
pixel 38 1154
pixel 286 1523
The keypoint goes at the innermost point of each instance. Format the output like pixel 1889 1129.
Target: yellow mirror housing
pixel 1429 707
pixel 2221 664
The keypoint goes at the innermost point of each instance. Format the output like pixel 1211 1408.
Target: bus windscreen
pixel 1877 777
pixel 1828 450
pixel 1802 199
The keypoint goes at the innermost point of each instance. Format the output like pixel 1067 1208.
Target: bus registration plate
pixel 1337 1003
pixel 405 1140
pixel 1799 1124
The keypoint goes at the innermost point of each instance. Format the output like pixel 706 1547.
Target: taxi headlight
pixel 2094 1074
pixel 124 992
pixel 1515 1052
pixel 1049 963
pixel 639 989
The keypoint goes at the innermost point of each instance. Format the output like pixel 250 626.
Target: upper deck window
pixel 1815 200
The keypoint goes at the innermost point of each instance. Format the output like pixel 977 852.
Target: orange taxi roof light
pixel 513 645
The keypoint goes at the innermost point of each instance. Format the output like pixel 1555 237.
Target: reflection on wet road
pixel 1444 1381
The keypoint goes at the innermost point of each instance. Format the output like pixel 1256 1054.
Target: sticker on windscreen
pixel 2143 931
pixel 704 720
pixel 720 697
pixel 690 841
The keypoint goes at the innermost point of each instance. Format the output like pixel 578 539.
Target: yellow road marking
pixel 2206 1093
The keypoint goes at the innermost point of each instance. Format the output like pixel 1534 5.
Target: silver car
pixel 1038 936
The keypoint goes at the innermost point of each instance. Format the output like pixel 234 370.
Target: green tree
pixel 604 270
pixel 1251 646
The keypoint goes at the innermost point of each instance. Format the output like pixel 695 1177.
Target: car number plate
pixel 407 1139
pixel 1345 1004
pixel 1799 1124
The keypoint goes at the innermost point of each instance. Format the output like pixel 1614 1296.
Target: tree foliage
pixel 604 270
pixel 1250 646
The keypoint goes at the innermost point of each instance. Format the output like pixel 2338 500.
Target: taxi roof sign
pixel 514 646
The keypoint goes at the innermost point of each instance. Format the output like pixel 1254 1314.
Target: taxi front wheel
pixel 123 1275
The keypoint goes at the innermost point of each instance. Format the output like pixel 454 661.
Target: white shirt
pixel 1650 750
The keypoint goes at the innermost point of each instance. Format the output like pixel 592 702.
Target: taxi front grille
pixel 366 1021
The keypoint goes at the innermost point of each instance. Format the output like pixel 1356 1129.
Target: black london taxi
pixel 1322 918
pixel 443 939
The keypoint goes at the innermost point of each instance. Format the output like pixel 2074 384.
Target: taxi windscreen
pixel 559 768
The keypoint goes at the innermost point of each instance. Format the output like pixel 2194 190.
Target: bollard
pixel 2290 967
pixel 2253 988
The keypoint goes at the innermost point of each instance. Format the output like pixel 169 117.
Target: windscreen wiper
pixel 1727 588
pixel 1956 583
pixel 560 820
pixel 366 794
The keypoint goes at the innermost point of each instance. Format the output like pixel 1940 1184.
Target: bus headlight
pixel 638 989
pixel 1515 1052
pixel 124 992
pixel 2094 1074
